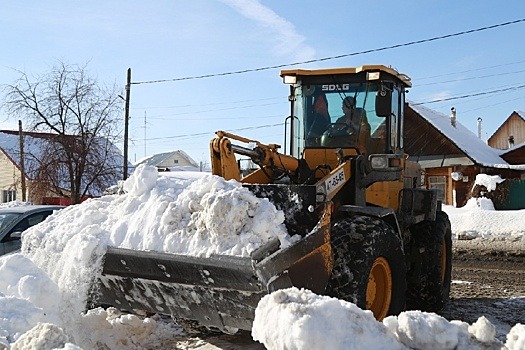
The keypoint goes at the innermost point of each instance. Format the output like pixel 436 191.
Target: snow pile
pixel 62 256
pixel 490 182
pixel 299 319
pixel 487 182
pixel 43 290
pixel 472 221
pixel 482 203
pixel 196 217
pixel 516 337
pixel 14 204
pixel 479 219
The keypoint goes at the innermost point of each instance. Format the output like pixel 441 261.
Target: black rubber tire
pixel 357 242
pixel 430 273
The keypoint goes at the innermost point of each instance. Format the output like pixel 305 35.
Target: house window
pixel 8 196
pixel 176 161
pixel 438 183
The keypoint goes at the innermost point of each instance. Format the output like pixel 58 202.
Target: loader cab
pixel 319 120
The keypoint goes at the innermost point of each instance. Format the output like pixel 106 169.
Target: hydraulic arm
pixel 224 162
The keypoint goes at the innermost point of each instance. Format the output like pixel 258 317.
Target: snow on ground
pixel 44 288
pixel 299 319
pixel 478 219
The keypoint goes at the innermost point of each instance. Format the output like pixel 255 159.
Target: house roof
pixel 464 139
pixel 10 145
pixel 514 155
pixel 156 159
pixel 514 148
pixel 35 144
pixel 520 114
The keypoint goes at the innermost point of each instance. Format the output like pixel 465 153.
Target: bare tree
pixel 80 118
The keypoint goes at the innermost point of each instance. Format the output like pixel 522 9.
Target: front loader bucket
pixel 216 291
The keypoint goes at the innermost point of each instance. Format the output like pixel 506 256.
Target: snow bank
pixel 299 319
pixel 186 216
pixel 296 319
pixel 50 281
pixel 516 337
pixel 478 219
pixel 506 225
pixel 14 204
pixel 43 291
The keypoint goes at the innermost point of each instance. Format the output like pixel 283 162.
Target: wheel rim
pixel 379 288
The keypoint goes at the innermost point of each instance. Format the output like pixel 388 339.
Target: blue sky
pixel 173 39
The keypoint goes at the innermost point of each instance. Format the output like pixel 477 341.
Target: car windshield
pixel 6 219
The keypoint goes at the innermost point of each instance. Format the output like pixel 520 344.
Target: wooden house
pixel 171 161
pixel 510 138
pixel 450 154
pixel 510 133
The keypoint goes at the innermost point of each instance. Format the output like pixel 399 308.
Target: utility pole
pixel 144 133
pixel 22 166
pixel 126 124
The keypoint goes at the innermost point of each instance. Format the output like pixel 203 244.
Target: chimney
pixel 511 141
pixel 480 126
pixel 453 116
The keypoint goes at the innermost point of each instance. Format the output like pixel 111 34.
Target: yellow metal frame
pixel 335 71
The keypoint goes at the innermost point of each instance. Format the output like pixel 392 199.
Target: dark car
pixel 15 220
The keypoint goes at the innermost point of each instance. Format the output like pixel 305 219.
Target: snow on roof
pixel 513 148
pixel 35 146
pixel 156 159
pixel 473 147
pixel 10 145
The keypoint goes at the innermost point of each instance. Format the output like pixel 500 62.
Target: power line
pixel 471 78
pixel 208 104
pixel 493 104
pixel 410 43
pixel 200 104
pixel 208 133
pixel 412 103
pixel 195 119
pixel 220 109
pixel 470 95
pixel 467 71
pixel 280 98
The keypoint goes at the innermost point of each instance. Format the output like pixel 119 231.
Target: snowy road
pixel 489 280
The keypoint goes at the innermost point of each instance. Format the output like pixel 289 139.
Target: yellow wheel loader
pixel 368 233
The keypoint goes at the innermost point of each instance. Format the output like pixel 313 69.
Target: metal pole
pixel 22 161
pixel 291 98
pixel 126 125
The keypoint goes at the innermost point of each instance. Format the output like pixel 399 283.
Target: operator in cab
pixel 355 122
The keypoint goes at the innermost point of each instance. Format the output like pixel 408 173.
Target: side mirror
pixel 383 103
pixel 16 235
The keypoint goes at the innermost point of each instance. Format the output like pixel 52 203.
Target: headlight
pixel 379 162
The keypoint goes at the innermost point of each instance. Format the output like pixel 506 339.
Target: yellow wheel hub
pixel 379 288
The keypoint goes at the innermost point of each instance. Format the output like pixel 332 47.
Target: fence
pixel 514 195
